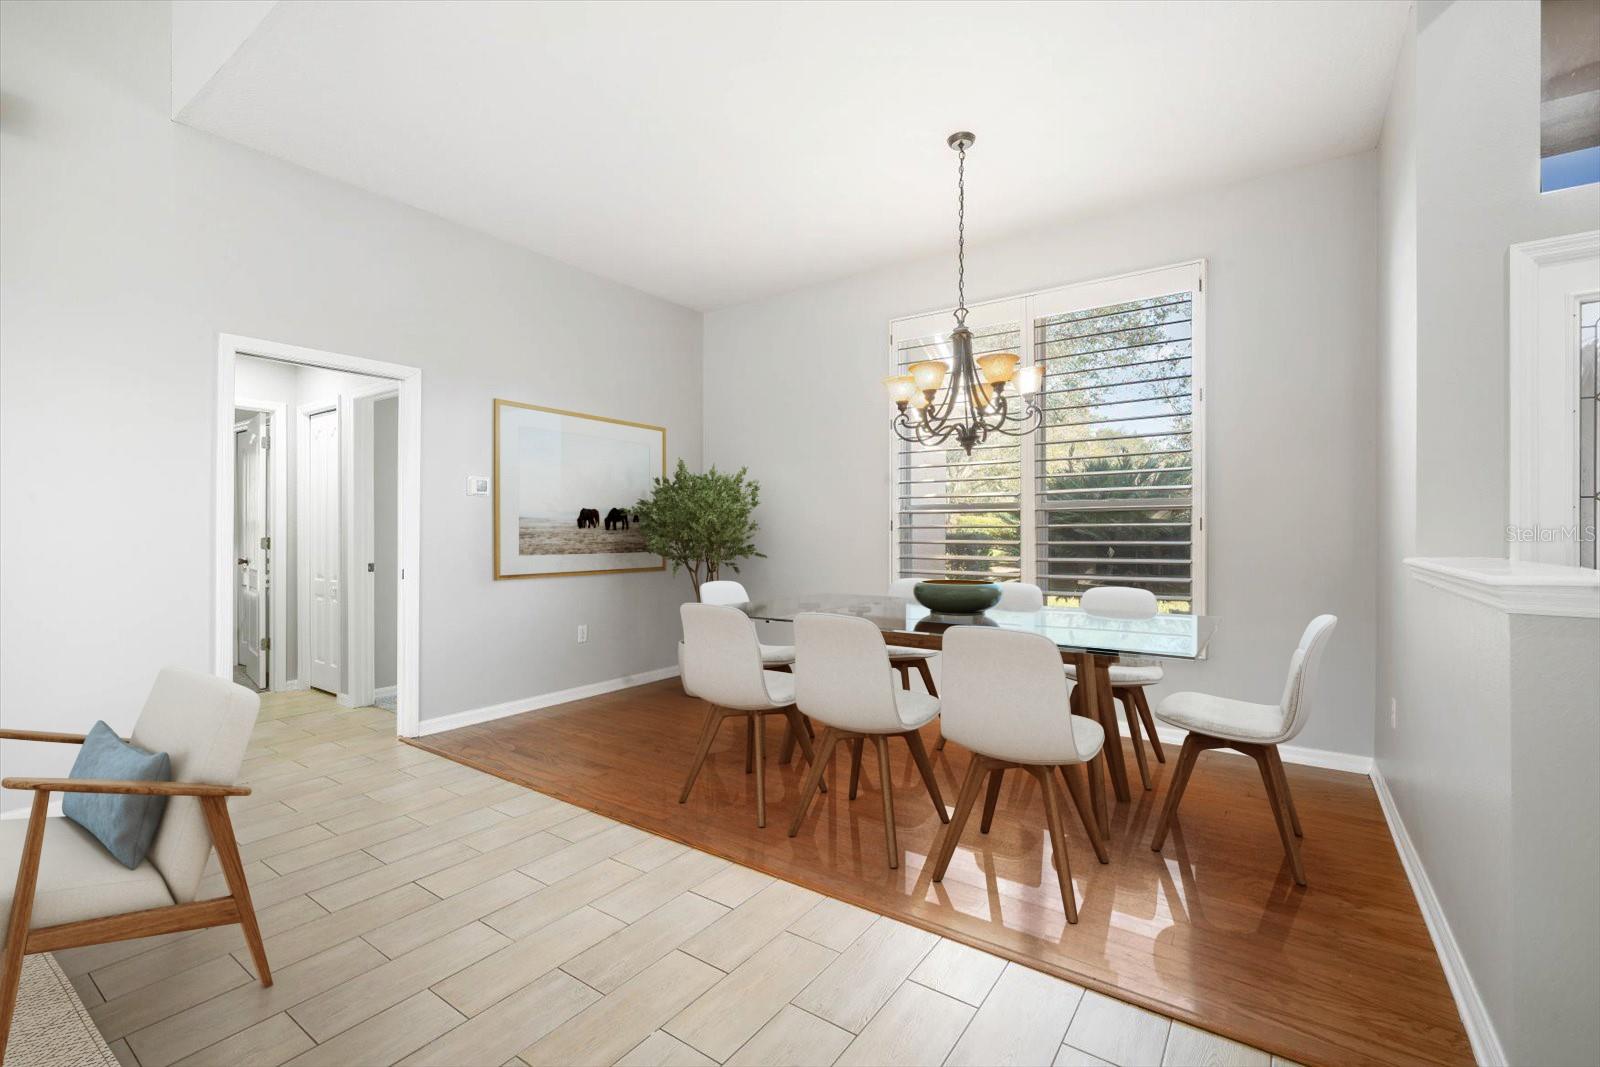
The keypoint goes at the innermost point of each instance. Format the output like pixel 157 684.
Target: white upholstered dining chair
pixel 1128 679
pixel 733 594
pixel 71 891
pixel 1004 699
pixel 840 683
pixel 1253 729
pixel 722 665
pixel 1020 596
pixel 904 659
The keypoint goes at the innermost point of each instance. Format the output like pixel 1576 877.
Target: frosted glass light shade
pixel 1029 379
pixel 901 387
pixel 929 374
pixel 998 366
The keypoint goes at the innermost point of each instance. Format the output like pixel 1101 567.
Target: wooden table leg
pixel 1100 698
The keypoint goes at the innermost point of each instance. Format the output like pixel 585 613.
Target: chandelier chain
pixel 961 239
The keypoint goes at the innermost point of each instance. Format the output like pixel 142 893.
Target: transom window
pixel 1113 477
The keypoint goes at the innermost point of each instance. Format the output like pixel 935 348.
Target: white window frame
pixel 1027 308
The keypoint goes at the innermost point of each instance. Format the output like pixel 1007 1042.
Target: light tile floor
pixel 420 912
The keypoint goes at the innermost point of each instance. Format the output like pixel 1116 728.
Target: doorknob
pixel 242 562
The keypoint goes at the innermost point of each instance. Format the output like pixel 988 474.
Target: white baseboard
pixel 293 685
pixel 473 716
pixel 1486 1047
pixel 384 691
pixel 1173 737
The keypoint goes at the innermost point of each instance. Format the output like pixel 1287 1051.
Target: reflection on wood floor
pixel 1211 931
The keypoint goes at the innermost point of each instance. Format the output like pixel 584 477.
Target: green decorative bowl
pixel 957 596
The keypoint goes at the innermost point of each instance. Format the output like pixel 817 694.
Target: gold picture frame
pixel 566 533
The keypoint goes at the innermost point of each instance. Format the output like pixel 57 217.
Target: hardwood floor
pixel 423 912
pixel 1212 932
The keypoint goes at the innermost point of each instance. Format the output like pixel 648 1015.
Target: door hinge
pixel 371 567
pixel 266 644
pixel 266 442
pixel 266 543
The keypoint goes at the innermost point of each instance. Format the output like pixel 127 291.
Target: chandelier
pixel 976 402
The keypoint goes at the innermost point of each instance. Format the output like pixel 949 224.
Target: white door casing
pixel 250 619
pixel 321 550
pixel 1548 279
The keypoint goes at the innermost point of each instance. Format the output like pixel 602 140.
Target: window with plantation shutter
pixel 1109 490
pixel 958 516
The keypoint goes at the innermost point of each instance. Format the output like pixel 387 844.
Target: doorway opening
pixel 317 525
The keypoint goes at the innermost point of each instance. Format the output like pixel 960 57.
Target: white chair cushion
pixel 780 687
pixel 1126 673
pixel 776 655
pixel 78 879
pixel 1232 720
pixel 1086 735
pixel 916 709
pixel 900 652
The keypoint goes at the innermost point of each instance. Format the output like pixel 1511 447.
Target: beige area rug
pixel 52 1028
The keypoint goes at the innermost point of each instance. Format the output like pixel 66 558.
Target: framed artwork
pixel 565 485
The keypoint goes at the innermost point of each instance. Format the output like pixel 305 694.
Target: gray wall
pixel 1555 849
pixel 385 528
pixel 791 390
pixel 1489 755
pixel 130 244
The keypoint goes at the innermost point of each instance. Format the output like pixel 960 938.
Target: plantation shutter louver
pixel 1115 462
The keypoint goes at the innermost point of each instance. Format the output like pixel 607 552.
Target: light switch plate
pixel 477 485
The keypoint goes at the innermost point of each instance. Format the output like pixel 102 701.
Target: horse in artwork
pixel 589 518
pixel 616 519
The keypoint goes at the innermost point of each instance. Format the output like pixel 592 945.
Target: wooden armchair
pixel 70 891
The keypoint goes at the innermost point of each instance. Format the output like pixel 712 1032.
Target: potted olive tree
pixel 701 522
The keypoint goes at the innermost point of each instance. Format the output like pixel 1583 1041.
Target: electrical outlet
pixel 1394 714
pixel 583 633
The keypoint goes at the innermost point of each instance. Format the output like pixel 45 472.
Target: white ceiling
pixel 717 153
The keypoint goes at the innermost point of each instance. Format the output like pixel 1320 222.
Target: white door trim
pixel 278 590
pixel 1539 460
pixel 408 690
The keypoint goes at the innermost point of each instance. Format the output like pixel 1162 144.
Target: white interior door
pixel 321 552
pixel 250 600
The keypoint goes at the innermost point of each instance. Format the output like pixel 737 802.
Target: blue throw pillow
pixel 124 823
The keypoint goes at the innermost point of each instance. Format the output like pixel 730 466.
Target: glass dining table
pixel 1092 642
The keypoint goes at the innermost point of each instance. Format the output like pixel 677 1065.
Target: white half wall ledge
pixel 1517 587
pixel 1481 1034
pixel 474 716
